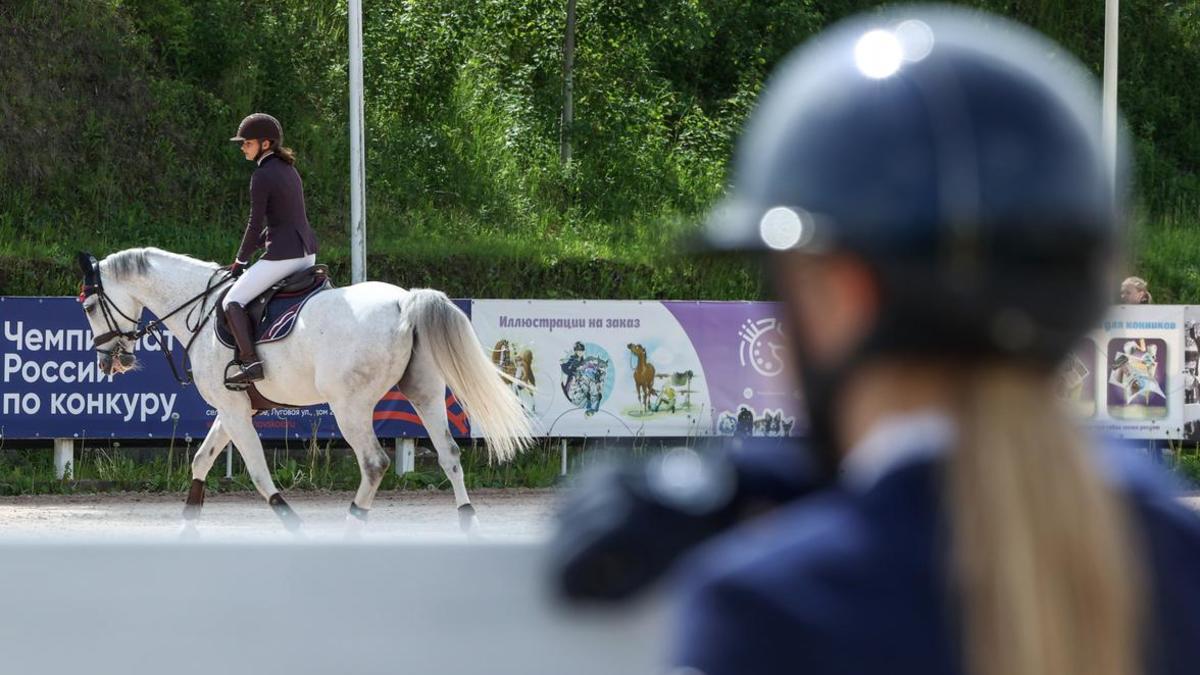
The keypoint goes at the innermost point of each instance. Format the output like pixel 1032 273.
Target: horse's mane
pixel 135 262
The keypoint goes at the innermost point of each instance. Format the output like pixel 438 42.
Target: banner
pixel 642 368
pixel 1127 377
pixel 581 369
pixel 51 387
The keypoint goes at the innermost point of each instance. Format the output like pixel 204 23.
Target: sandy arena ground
pixel 504 515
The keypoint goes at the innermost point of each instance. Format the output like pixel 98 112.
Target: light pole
pixel 358 165
pixel 1109 106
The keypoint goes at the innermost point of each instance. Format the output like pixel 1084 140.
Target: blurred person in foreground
pixel 929 192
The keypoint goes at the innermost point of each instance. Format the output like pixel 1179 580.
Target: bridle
pixel 109 311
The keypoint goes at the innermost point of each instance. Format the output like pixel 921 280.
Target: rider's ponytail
pixel 1042 550
pixel 286 154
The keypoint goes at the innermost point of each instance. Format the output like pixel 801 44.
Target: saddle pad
pixel 278 320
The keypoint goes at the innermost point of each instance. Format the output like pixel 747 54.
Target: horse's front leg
pixel 206 454
pixel 245 439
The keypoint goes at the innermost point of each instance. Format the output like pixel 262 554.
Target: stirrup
pixel 241 378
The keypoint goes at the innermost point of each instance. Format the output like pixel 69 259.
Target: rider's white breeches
pixel 261 275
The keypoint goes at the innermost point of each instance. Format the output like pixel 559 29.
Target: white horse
pixel 348 348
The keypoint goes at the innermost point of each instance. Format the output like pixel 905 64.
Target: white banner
pixel 1128 376
pixel 643 368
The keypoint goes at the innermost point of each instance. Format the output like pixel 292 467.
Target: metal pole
pixel 563 471
pixel 358 166
pixel 229 460
pixel 568 113
pixel 1109 107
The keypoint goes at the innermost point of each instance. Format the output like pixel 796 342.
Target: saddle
pixel 273 313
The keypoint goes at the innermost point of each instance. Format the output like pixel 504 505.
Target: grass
pixel 458 253
pixel 111 467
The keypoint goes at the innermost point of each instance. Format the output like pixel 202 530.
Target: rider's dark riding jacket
pixel 278 220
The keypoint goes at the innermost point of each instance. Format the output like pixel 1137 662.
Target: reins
pixel 153 328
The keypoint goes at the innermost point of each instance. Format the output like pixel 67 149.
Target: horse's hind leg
pixel 355 421
pixel 206 454
pixel 426 391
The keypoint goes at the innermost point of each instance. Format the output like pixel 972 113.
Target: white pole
pixel 1109 108
pixel 229 460
pixel 568 112
pixel 563 469
pixel 64 458
pixel 406 456
pixel 358 166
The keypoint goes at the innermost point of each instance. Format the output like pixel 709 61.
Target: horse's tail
pixel 492 407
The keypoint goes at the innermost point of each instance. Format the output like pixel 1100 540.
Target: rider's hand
pixel 236 269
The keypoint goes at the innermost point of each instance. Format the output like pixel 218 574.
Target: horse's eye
pixel 90 308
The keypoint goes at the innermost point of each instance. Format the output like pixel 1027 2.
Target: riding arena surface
pixel 511 515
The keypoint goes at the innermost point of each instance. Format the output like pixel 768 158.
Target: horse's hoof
pixel 358 513
pixel 291 521
pixel 188 531
pixel 467 521
pixel 195 500
pixel 354 528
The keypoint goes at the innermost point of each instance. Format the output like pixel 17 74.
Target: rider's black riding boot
pixel 239 325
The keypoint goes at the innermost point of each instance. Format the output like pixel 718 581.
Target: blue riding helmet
pixel 960 155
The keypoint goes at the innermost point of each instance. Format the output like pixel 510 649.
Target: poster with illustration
pixel 1137 378
pixel 1141 371
pixel 641 368
pixel 1075 382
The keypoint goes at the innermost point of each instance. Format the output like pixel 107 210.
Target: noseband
pixel 107 309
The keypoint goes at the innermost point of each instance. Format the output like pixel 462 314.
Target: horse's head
pixel 112 314
pixel 500 353
pixel 638 350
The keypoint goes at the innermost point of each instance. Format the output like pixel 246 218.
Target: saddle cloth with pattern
pixel 273 314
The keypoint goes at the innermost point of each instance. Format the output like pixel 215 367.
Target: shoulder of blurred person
pixel 854 580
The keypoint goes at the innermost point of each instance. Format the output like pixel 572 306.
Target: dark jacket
pixel 854 582
pixel 277 217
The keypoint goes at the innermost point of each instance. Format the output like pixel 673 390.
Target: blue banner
pixel 51 387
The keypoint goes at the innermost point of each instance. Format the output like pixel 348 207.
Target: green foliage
pixel 316 465
pixel 115 114
pixel 1187 465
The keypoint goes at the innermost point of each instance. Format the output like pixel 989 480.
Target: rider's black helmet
pixel 960 155
pixel 259 126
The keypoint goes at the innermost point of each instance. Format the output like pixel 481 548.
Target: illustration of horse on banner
pixel 517 370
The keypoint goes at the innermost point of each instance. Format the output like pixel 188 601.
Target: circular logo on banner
pixel 761 346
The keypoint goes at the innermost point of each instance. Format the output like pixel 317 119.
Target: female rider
pixel 278 223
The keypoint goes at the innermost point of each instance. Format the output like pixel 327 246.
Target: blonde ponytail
pixel 1042 552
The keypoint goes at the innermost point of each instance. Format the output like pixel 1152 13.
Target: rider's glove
pixel 236 269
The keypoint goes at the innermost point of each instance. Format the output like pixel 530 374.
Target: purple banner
pixel 740 345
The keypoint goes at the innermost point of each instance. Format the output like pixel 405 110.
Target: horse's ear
pixel 85 260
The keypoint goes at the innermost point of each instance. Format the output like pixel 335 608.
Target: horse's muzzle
pixel 118 365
